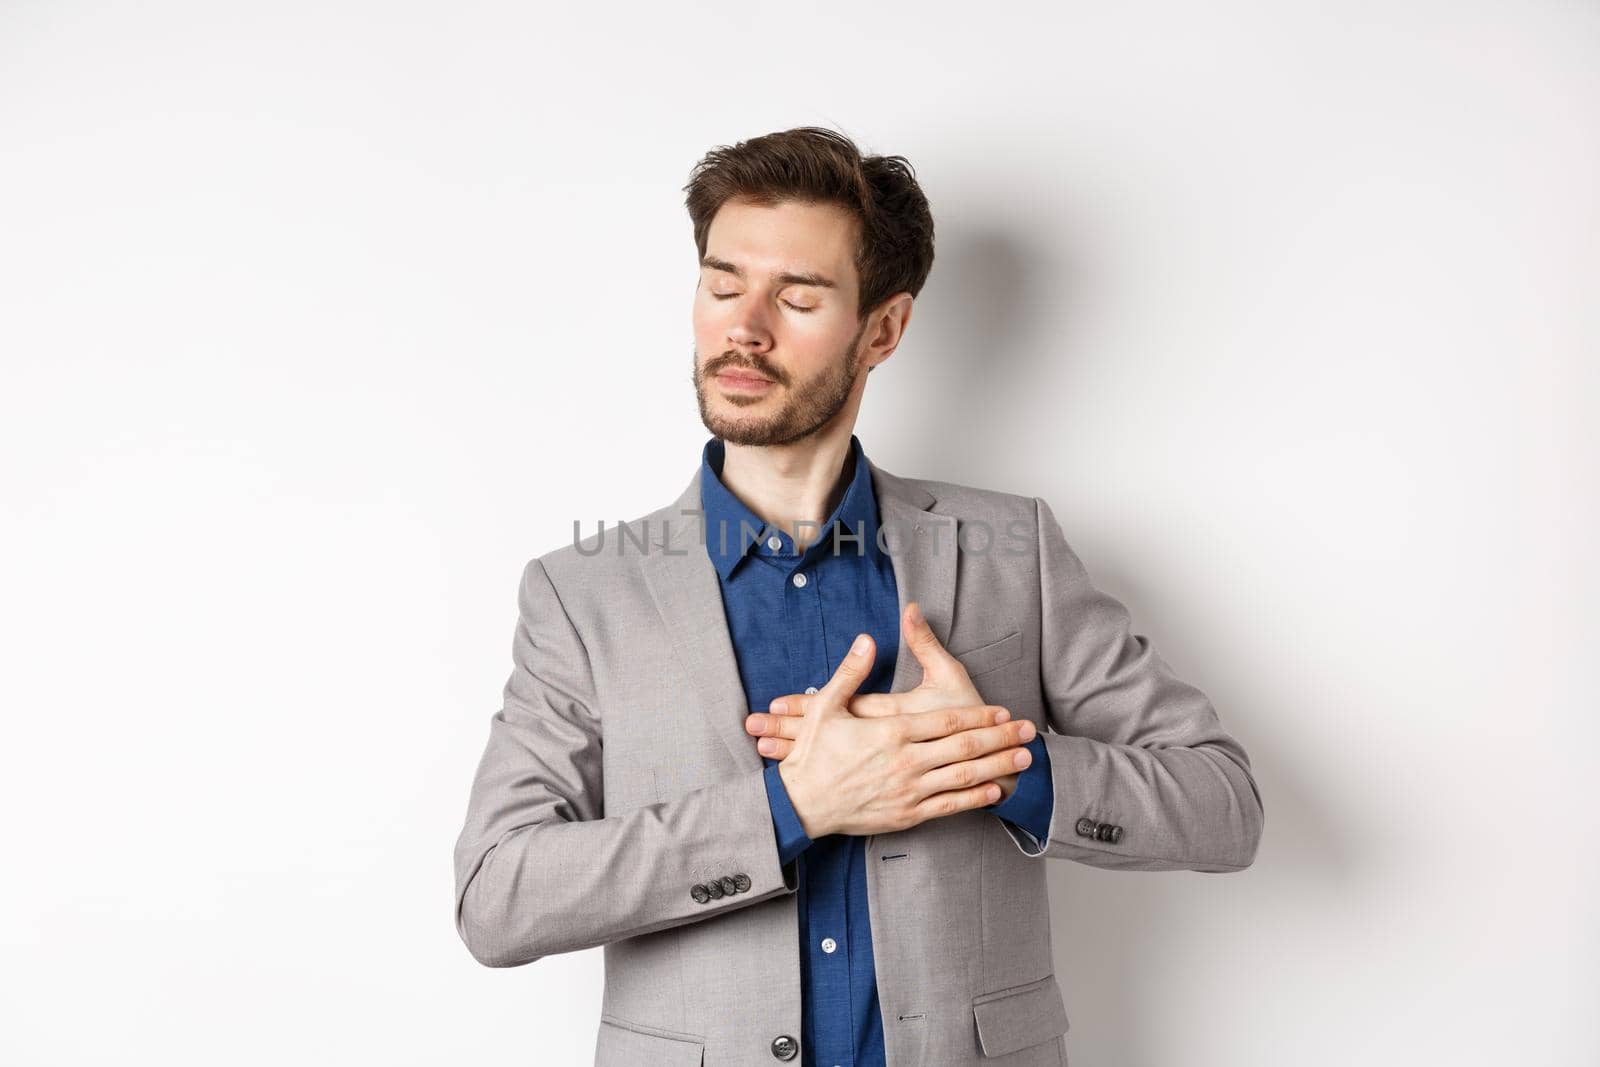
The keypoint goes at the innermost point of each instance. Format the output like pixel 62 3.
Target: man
pixel 736 748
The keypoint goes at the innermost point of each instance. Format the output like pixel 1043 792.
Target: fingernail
pixel 994 792
pixel 1026 731
pixel 1002 715
pixel 916 613
pixel 1022 759
pixel 861 645
pixel 778 707
pixel 765 746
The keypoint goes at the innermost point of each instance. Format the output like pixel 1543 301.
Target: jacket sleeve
pixel 539 866
pixel 1143 774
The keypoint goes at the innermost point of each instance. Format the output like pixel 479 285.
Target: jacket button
pixel 715 889
pixel 1086 827
pixel 741 882
pixel 784 1047
pixel 729 886
pixel 1102 832
pixel 1116 834
pixel 700 893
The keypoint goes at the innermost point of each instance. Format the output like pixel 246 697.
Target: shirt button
pixel 800 580
pixel 811 689
pixel 774 543
pixel 829 944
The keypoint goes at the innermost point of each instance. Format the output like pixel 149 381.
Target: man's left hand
pixel 945 684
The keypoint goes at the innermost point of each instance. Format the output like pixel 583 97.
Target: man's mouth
pixel 742 380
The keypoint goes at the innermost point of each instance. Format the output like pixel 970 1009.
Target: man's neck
pixel 788 484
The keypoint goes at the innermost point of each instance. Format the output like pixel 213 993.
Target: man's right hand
pixel 854 775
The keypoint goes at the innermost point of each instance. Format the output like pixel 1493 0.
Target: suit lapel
pixel 922 549
pixel 683 583
pixel 686 591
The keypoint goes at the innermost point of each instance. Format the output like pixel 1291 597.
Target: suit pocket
pixel 622 1044
pixel 1019 1017
pixel 991 656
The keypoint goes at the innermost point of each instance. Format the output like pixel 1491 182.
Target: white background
pixel 320 319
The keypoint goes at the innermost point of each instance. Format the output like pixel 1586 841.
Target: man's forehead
pixel 790 237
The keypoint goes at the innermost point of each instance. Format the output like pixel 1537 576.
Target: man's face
pixel 775 328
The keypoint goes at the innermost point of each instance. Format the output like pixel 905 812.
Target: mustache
pixel 733 361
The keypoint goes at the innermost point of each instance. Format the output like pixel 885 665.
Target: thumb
pixel 924 644
pixel 852 671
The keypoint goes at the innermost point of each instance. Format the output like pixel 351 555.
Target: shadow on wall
pixel 990 358
pixel 972 359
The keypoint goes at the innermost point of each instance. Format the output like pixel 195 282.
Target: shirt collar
pixel 731 527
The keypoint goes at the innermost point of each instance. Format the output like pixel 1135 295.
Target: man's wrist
pixel 791 836
pixel 801 803
pixel 1029 806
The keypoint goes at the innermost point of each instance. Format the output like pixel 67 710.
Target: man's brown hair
pixel 816 165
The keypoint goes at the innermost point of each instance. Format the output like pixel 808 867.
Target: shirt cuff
pixel 792 839
pixel 1030 804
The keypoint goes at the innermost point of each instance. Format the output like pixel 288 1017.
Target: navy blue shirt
pixel 792 618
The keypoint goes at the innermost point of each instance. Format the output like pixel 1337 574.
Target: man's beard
pixel 807 410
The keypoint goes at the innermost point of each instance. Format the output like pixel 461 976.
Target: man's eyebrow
pixel 787 278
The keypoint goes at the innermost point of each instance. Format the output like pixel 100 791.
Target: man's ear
pixel 896 314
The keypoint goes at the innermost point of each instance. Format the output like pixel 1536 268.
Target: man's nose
pixel 749 332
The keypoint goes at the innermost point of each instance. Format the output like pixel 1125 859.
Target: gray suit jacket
pixel 619 801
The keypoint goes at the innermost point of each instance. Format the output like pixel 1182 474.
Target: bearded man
pixel 793 747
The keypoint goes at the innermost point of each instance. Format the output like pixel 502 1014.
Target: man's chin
pixel 726 422
pixel 735 431
pixel 736 434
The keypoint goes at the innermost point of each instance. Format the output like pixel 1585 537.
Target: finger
pixel 910 702
pixel 976 771
pixel 852 671
pixel 928 725
pixel 757 724
pixel 924 643
pixel 776 747
pixel 970 744
pixel 956 800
